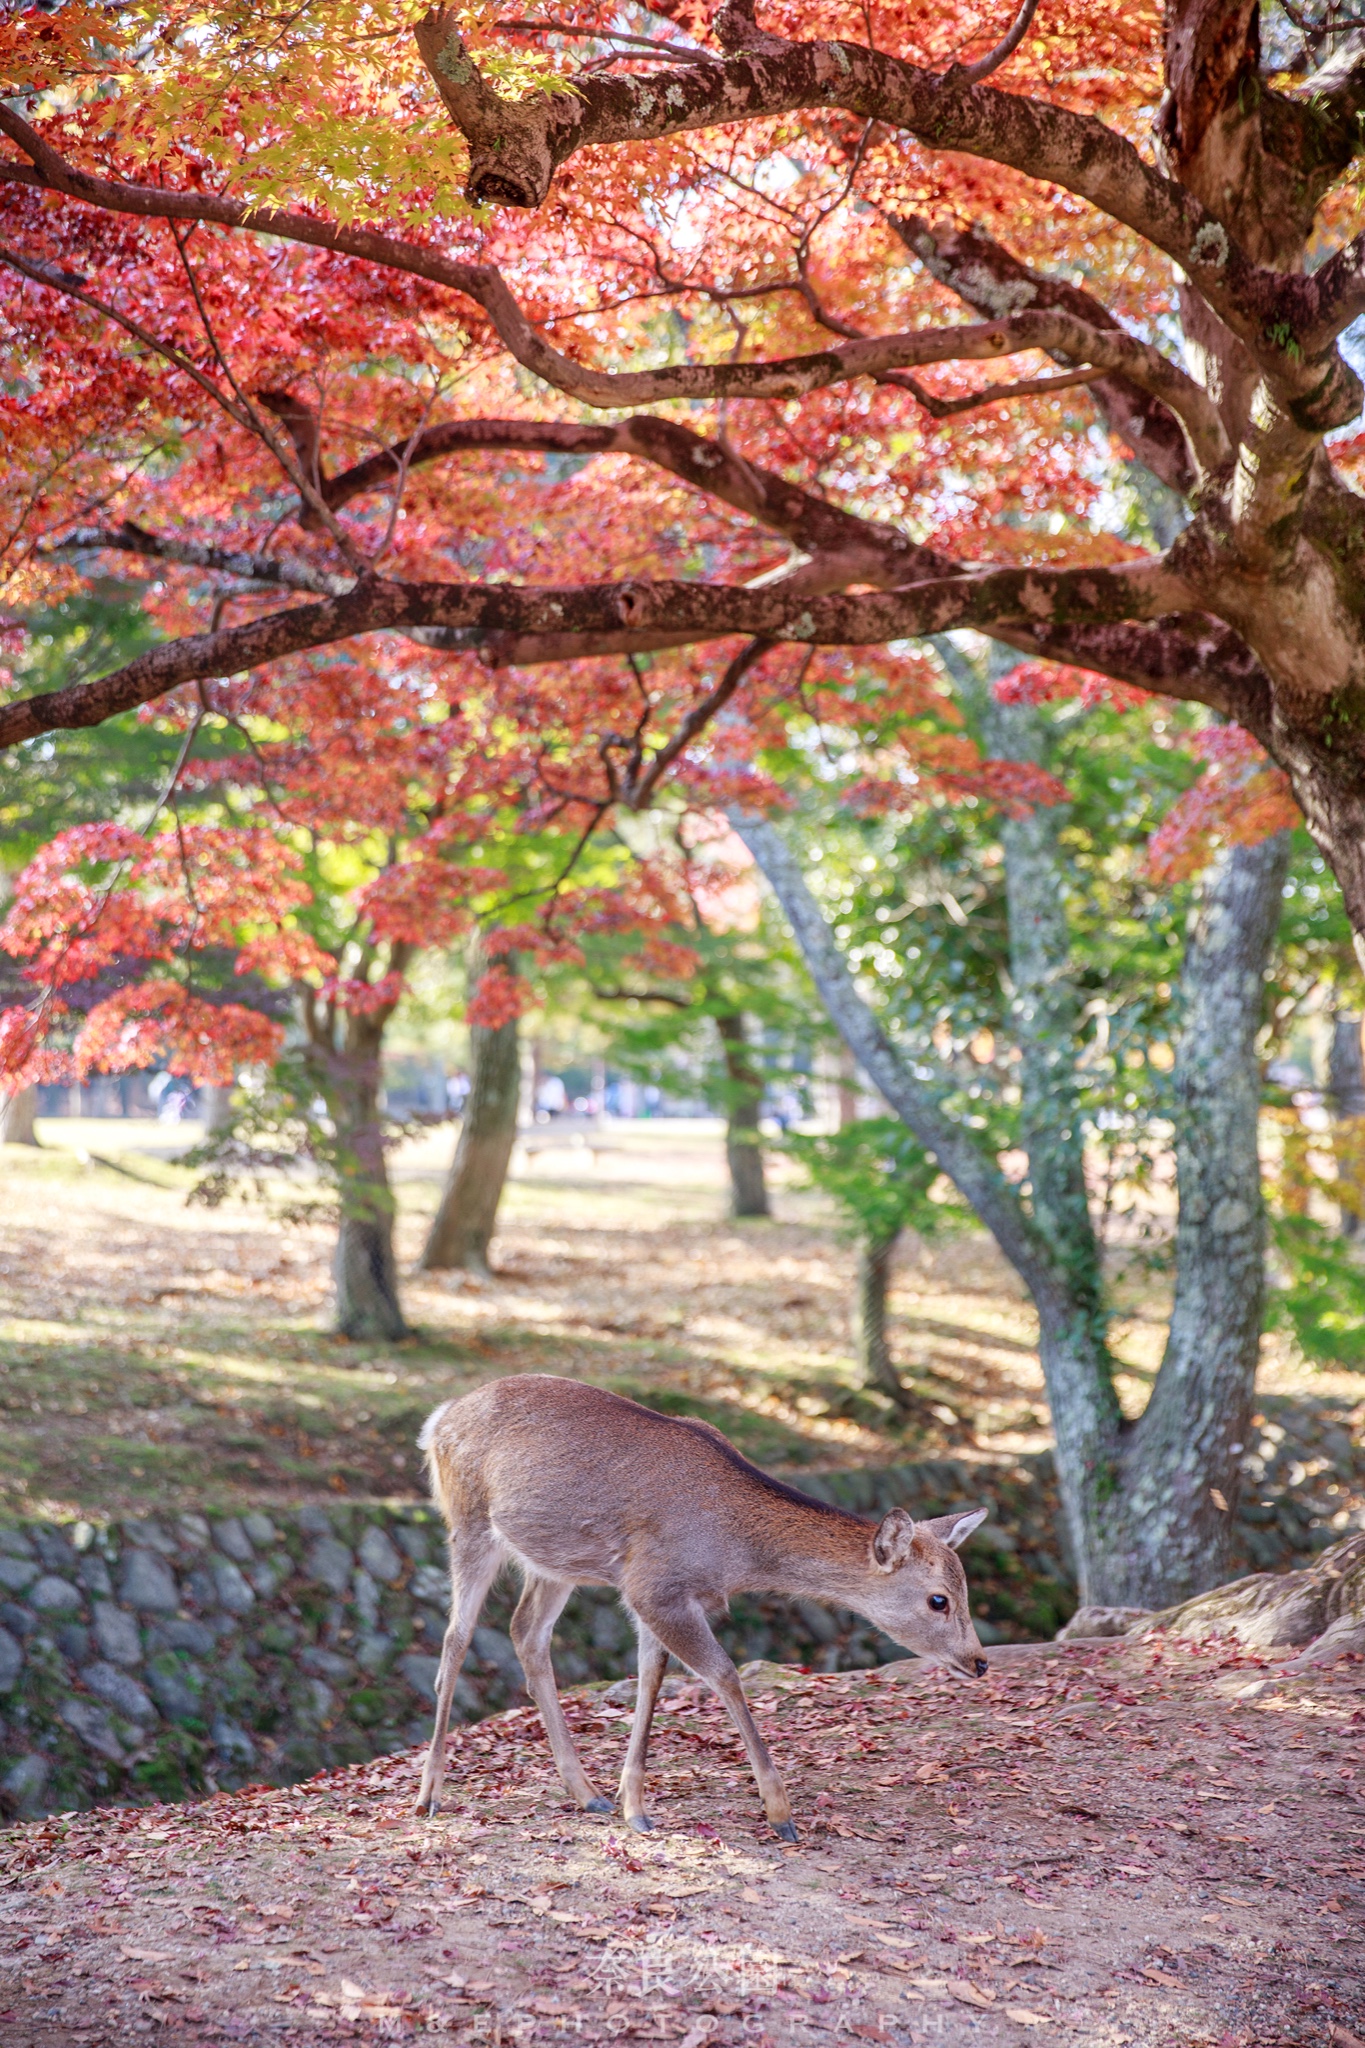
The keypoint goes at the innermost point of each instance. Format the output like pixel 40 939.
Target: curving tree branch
pixel 697 612
pixel 992 280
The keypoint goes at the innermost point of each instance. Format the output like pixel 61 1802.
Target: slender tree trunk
pixel 1170 1535
pixel 365 1274
pixel 1046 1012
pixel 848 1088
pixel 463 1227
pixel 215 1106
pixel 17 1118
pixel 874 1354
pixel 744 1100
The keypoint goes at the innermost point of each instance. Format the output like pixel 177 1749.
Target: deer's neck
pixel 810 1553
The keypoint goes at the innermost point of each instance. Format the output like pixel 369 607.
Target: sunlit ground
pixel 155 1349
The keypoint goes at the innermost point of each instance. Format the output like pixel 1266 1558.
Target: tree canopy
pixel 315 318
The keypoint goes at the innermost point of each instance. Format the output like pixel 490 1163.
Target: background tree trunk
pixel 365 1275
pixel 875 1362
pixel 1046 1011
pixel 17 1118
pixel 744 1101
pixel 847 1088
pixel 463 1226
pixel 215 1106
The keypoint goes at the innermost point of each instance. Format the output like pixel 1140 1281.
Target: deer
pixel 576 1486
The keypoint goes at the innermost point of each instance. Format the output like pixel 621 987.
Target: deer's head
pixel 918 1589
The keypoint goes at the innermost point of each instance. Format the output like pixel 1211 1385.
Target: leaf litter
pixel 1055 1874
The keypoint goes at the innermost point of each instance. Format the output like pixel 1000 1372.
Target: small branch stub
pixel 510 159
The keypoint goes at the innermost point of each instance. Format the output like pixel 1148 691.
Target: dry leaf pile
pixel 1102 1843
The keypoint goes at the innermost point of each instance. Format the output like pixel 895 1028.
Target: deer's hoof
pixel 641 1824
pixel 598 1805
pixel 785 1830
pixel 428 1808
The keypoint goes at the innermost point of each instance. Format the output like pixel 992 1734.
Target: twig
pixel 946 408
pixel 638 795
pixel 974 73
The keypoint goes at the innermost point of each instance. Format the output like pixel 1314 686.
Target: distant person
pixel 457 1092
pixel 784 1109
pixel 552 1097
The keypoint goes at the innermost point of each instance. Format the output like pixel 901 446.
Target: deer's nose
pixel 982 1667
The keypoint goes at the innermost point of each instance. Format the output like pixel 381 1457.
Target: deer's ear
pixel 955 1529
pixel 891 1544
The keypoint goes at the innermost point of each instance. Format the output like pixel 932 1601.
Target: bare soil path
pixel 1102 1843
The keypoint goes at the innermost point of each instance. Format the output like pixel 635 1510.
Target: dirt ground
pixel 154 1350
pixel 1101 1843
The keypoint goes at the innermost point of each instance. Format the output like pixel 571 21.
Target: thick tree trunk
pixel 1169 1532
pixel 463 1227
pixel 744 1100
pixel 1346 1092
pixel 17 1118
pixel 874 1353
pixel 365 1275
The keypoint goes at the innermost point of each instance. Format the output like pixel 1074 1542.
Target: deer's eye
pixel 939 1602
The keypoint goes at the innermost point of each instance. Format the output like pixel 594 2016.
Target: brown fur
pixel 579 1487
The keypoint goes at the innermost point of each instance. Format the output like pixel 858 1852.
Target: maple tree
pixel 277 859
pixel 773 182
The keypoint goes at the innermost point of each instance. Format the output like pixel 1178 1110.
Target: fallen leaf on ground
pixel 1023 2016
pixel 970 1994
pixel 1161 1976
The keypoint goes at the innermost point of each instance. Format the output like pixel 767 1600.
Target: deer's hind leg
pixel 539 1608
pixel 684 1629
pixel 653 1660
pixel 475 1555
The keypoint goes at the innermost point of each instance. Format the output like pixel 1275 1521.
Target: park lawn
pixel 155 1351
pixel 160 1354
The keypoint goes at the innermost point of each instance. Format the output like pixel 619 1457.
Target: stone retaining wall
pixel 158 1658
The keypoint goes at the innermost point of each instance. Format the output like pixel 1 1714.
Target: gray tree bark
pixel 17 1118
pixel 744 1101
pixel 462 1230
pixel 1144 1523
pixel 1169 1535
pixel 1346 1091
pixel 215 1105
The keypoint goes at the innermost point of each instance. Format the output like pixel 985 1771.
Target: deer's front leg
pixel 685 1631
